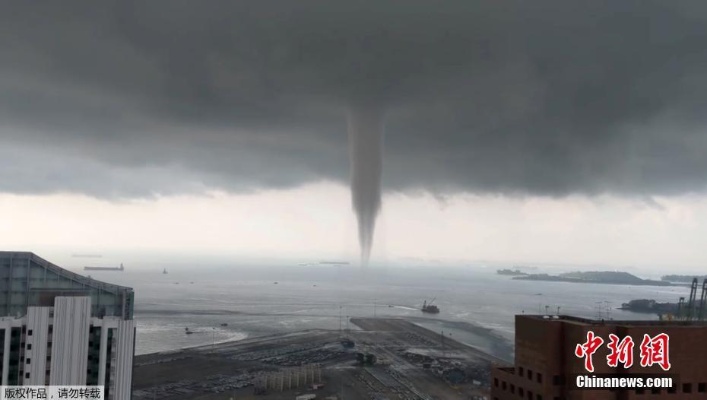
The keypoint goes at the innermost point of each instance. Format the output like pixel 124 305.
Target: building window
pixel 513 388
pixel 28 361
pixel 655 391
pixel 539 397
pixel 29 332
pixel 530 374
pixel 521 392
pixel 687 387
pixel 672 390
pixel 503 385
pixel 495 382
pixel 702 387
pixel 29 346
pixel 530 395
pixel 520 371
pixel 556 380
pixel 27 375
pixel 540 377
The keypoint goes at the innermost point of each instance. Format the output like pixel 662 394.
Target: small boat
pixel 224 324
pixel 274 283
pixel 187 331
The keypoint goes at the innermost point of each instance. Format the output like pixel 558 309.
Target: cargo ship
pixel 121 268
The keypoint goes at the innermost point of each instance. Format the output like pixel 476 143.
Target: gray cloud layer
pixel 134 98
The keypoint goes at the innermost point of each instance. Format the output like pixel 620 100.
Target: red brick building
pixel 545 359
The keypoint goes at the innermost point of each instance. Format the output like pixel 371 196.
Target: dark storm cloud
pixel 133 98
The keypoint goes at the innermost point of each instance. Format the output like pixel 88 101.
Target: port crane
pixel 703 302
pixel 692 309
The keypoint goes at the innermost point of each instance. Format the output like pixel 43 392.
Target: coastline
pixel 500 347
pixel 241 367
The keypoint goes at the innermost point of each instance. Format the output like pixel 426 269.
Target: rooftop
pixel 28 280
pixel 597 322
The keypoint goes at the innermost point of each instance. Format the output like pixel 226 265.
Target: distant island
pixel 509 272
pixel 650 307
pixel 682 278
pixel 608 277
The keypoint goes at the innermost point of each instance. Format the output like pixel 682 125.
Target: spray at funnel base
pixel 365 128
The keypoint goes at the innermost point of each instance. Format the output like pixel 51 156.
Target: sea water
pixel 477 306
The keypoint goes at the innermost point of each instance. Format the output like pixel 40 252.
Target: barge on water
pixel 121 268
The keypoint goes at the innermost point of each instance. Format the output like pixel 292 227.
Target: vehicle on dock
pixel 366 358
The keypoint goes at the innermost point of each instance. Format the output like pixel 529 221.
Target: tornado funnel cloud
pixel 365 127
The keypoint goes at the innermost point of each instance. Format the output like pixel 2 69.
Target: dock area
pixel 383 359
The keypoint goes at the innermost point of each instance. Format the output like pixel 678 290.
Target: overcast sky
pixel 564 131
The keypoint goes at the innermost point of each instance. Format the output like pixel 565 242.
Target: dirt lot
pixel 412 363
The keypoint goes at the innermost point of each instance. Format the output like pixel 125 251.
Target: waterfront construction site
pixel 381 359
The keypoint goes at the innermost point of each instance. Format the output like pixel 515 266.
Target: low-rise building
pixel 546 363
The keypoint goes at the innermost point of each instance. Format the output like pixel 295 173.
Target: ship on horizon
pixel 121 268
pixel 328 262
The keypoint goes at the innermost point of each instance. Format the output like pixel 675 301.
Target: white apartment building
pixel 60 328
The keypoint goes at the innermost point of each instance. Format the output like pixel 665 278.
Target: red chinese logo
pixel 655 351
pixel 621 351
pixel 588 349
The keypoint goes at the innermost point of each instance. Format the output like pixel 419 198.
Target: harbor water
pixel 223 303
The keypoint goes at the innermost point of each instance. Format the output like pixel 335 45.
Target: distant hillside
pixel 608 277
pixel 509 272
pixel 682 278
